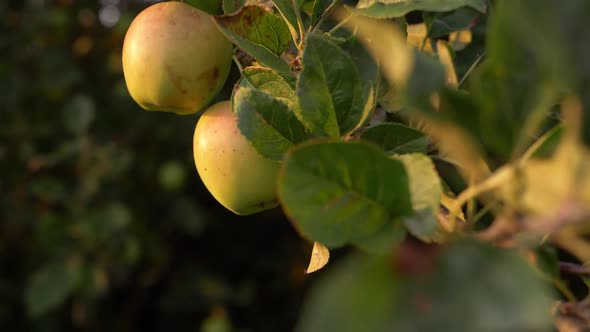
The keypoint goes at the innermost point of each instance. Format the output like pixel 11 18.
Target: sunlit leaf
pixel 287 11
pixel 425 191
pixel 442 24
pixel 266 106
pixel 396 138
pixel 446 58
pixel 532 190
pixel 276 84
pixel 370 76
pixel 320 255
pixel 417 36
pixel 269 124
pixel 386 43
pixel 398 8
pixel 338 193
pixel 329 89
pixel 258 32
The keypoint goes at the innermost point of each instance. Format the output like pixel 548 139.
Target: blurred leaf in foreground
pixel 466 287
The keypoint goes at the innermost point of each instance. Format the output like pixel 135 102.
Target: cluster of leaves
pixel 376 134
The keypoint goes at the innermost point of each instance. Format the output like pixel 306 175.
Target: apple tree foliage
pixel 437 149
pixel 446 140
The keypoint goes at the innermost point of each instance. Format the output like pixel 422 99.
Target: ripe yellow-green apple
pixel 174 58
pixel 236 175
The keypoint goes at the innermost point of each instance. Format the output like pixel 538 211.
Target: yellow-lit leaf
pixel 460 39
pixel 417 37
pixel 542 186
pixel 320 255
pixel 445 57
pixel 385 42
pixel 388 46
pixel 446 220
pixel 457 146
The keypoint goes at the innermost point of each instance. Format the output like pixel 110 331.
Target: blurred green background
pixel 104 223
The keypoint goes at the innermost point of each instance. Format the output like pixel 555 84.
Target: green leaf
pixel 442 24
pixel 369 75
pixel 269 124
pixel 49 288
pixel 258 32
pixel 465 287
pixel 500 103
pixel 398 8
pixel 266 104
pixel 358 295
pixel 319 8
pixel 287 11
pixel 476 287
pixel 338 193
pixel 329 89
pixel 386 238
pixel 395 138
pixel 425 191
pixel 548 142
pixel 547 261
pixel 427 77
pixel 212 7
pixel 528 57
pixel 232 6
pixel 278 85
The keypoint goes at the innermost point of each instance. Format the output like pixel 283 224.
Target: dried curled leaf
pixel 320 255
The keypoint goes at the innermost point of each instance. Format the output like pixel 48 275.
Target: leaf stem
pixel 237 61
pixel 495 180
pixel 299 44
pixel 340 24
pixel 562 287
pixel 538 143
pixel 482 212
pixel 471 68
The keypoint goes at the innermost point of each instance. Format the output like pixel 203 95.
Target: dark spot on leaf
pixel 242 21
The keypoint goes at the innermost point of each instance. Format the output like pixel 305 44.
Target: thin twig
pixel 325 15
pixel 340 24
